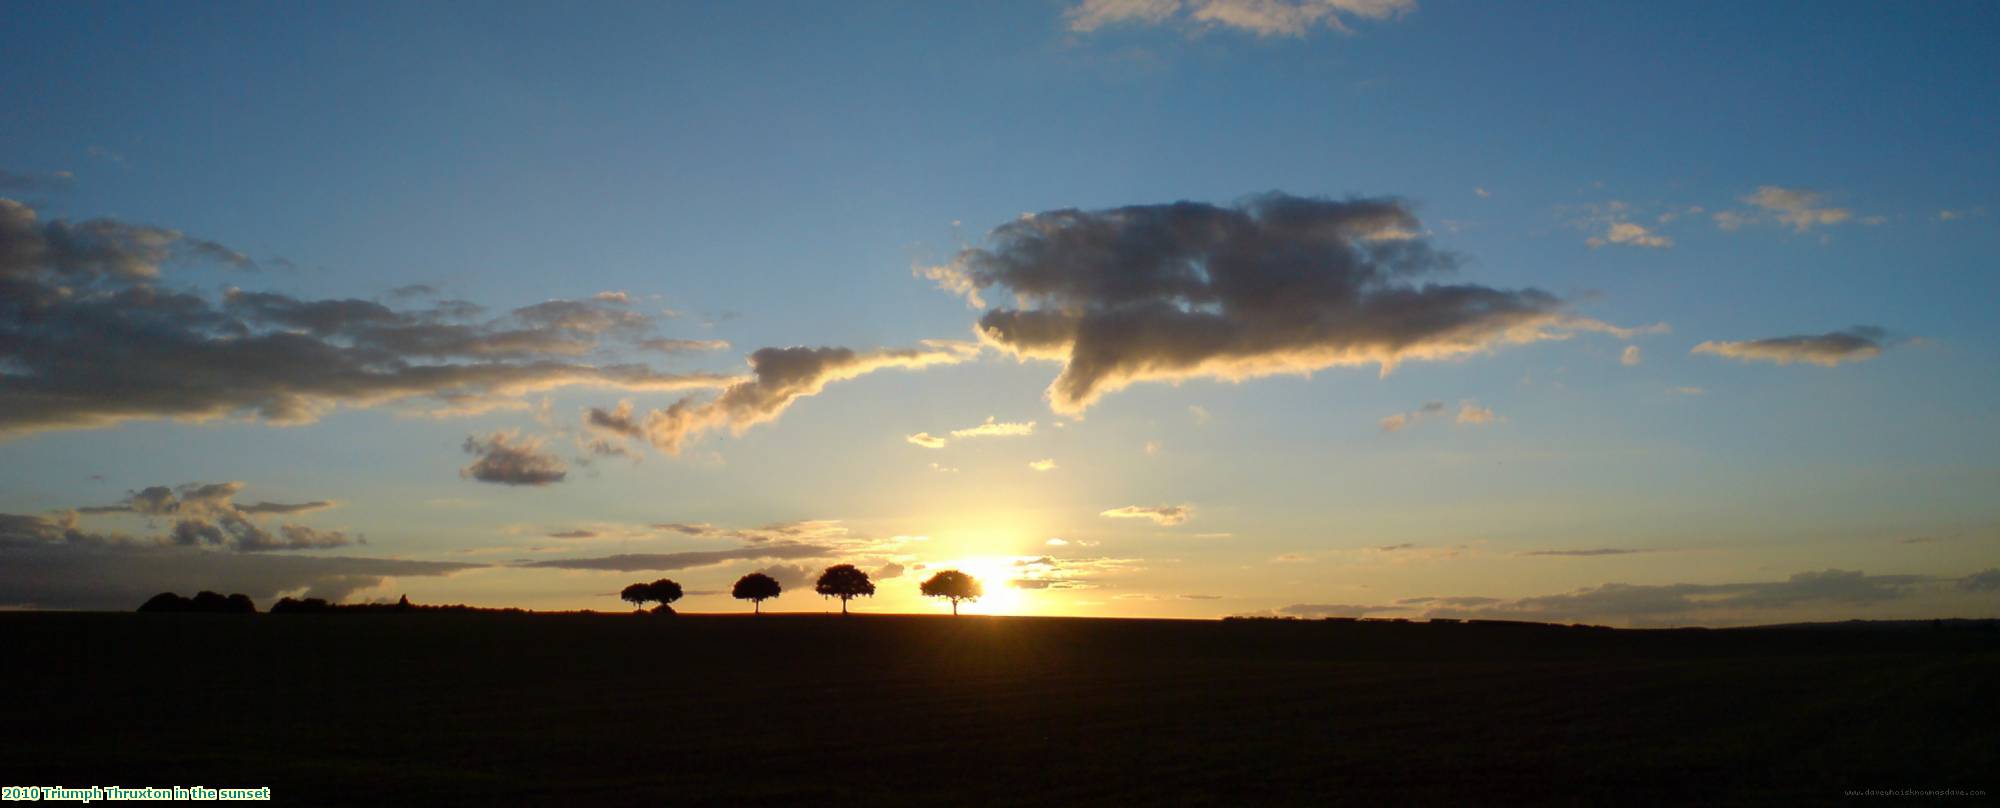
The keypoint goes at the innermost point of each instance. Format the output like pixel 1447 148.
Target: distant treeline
pixel 212 603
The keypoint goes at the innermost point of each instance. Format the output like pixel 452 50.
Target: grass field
pixel 632 709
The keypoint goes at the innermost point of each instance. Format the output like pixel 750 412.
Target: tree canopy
pixel 846 582
pixel 954 585
pixel 663 592
pixel 756 587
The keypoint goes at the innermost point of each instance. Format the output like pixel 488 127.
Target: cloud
pixel 1201 597
pixel 507 459
pixel 926 440
pixel 887 571
pixel 1596 551
pixel 51 181
pixel 780 376
pixel 1987 580
pixel 1690 391
pixel 1317 610
pixel 1469 412
pixel 674 346
pixel 1827 350
pixel 992 429
pixel 1631 235
pixel 89 338
pixel 1044 464
pixel 574 534
pixel 1047 572
pixel 1163 515
pixel 817 531
pixel 1956 215
pixel 1200 413
pixel 1797 207
pixel 207 514
pixel 635 562
pixel 1276 285
pixel 617 421
pixel 1630 357
pixel 52 564
pixel 792 577
pixel 1675 604
pixel 1395 423
pixel 1264 18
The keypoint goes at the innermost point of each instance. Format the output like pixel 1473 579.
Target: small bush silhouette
pixel 954 585
pixel 663 592
pixel 756 587
pixel 204 601
pixel 846 582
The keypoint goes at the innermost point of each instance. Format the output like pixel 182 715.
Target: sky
pixel 1628 314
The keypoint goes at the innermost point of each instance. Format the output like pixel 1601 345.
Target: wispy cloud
pixel 1165 515
pixel 1265 18
pixel 1826 350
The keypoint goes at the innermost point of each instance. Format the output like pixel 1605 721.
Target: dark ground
pixel 631 709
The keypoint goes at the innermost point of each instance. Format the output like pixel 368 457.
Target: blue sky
pixel 777 175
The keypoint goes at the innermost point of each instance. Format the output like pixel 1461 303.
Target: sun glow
pixel 995 574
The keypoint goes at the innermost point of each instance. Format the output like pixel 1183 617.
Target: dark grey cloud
pixel 207 514
pixel 1451 601
pixel 28 181
pixel 1594 551
pixel 1983 581
pixel 635 562
pixel 1827 350
pixel 1201 597
pixel 89 338
pixel 1648 604
pixel 1277 284
pixel 509 459
pixel 793 577
pixel 674 346
pixel 574 534
pixel 105 575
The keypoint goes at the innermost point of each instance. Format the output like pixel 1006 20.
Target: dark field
pixel 630 709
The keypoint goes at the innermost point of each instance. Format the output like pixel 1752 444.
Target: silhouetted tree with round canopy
pixel 756 587
pixel 637 595
pixel 954 585
pixel 663 592
pixel 845 582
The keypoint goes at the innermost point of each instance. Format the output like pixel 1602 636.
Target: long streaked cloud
pixel 1264 18
pixel 59 564
pixel 635 562
pixel 1275 285
pixel 781 376
pixel 1826 350
pixel 89 338
pixel 1687 603
pixel 996 429
pixel 1163 515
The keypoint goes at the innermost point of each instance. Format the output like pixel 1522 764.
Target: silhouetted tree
pixel 662 591
pixel 210 602
pixel 845 582
pixel 954 585
pixel 165 602
pixel 755 587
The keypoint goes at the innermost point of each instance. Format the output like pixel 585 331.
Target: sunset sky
pixel 1587 312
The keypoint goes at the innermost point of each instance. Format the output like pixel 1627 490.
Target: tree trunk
pixel 756 607
pixel 843 605
pixel 954 607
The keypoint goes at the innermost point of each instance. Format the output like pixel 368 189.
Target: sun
pixel 995 574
